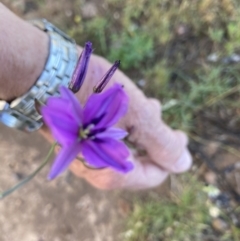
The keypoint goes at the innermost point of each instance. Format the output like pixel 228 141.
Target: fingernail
pixel 184 162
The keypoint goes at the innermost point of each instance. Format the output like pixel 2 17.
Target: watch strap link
pixel 58 70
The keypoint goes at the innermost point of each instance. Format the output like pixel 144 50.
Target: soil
pixel 65 209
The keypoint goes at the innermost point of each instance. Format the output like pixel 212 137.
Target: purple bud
pixel 81 68
pixel 105 79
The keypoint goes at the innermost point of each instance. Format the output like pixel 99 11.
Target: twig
pixel 219 97
pixel 227 148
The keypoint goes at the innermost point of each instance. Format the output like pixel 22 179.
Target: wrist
pixel 24 51
pixel 34 62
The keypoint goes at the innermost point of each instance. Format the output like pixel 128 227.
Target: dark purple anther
pixel 81 69
pixel 105 79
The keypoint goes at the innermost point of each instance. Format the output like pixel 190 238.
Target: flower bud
pixel 105 79
pixel 81 69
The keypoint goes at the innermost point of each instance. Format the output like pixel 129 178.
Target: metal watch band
pixel 62 59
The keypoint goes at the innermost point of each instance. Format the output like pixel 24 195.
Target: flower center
pixel 84 132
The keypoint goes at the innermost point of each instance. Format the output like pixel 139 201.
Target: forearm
pixel 23 53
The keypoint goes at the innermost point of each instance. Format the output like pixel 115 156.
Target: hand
pixel 165 149
pixel 22 61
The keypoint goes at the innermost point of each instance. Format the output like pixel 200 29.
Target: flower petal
pixel 107 152
pixel 91 156
pixel 115 133
pixel 63 160
pixel 60 106
pixel 63 128
pixel 76 106
pixel 105 109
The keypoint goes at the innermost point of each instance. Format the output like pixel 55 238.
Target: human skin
pixel 23 53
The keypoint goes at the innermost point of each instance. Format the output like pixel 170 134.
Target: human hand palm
pixel 164 149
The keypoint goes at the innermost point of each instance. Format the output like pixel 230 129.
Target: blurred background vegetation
pixel 186 53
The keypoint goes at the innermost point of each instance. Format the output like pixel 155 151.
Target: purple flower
pixel 105 79
pixel 88 130
pixel 81 68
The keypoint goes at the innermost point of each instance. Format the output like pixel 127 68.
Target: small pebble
pixel 141 83
pixel 219 225
pixel 213 57
pixel 211 178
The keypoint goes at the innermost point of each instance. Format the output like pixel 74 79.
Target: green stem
pixel 28 178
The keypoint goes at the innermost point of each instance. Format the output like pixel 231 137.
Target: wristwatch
pixel 21 113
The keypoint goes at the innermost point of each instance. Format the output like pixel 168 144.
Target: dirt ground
pixel 64 209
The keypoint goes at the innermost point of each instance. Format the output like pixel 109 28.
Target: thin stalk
pixel 219 97
pixel 30 177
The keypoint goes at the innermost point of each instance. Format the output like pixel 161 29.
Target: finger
pixel 144 175
pixel 156 105
pixel 168 148
pixel 165 147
